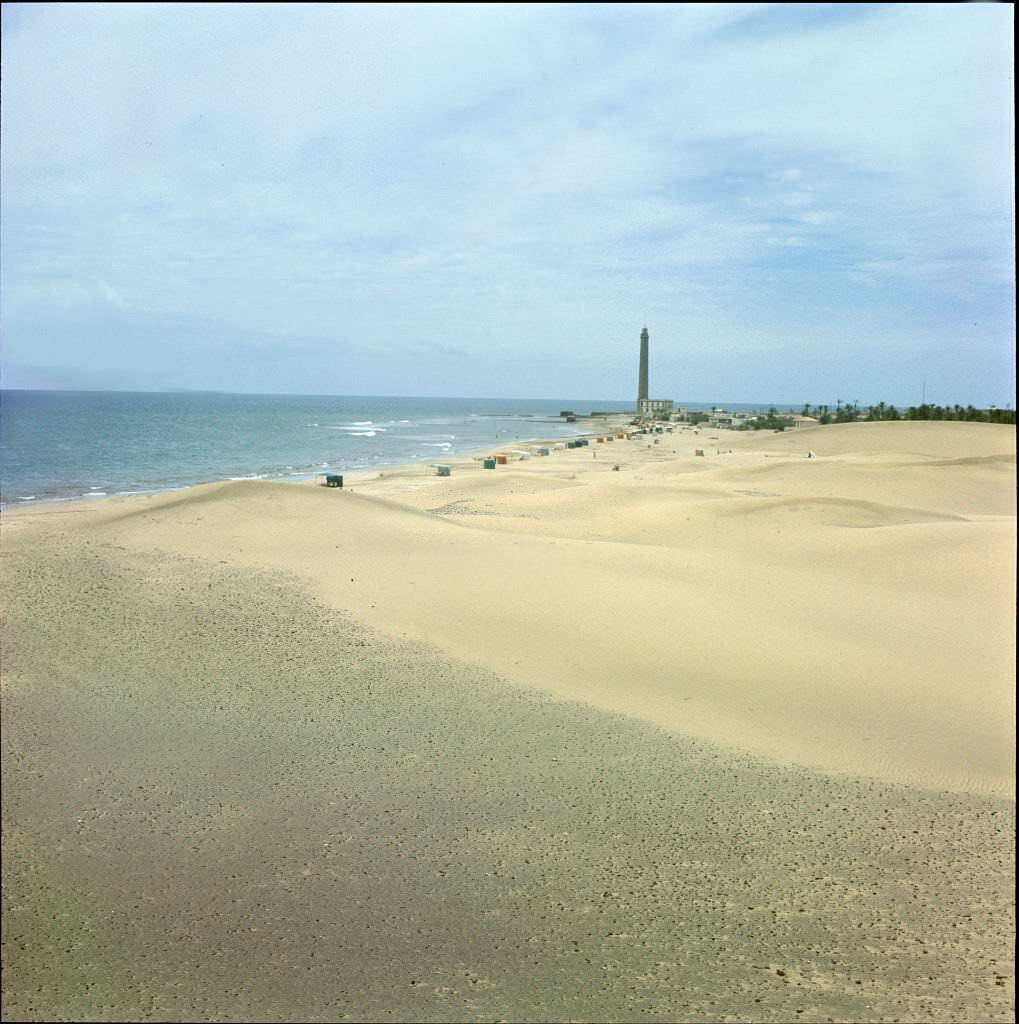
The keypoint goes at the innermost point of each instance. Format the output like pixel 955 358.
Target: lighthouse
pixel 642 379
pixel 649 408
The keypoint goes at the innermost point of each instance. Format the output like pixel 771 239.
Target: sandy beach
pixel 621 733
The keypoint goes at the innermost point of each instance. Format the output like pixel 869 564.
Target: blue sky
pixel 804 202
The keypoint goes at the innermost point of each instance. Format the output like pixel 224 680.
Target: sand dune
pixel 949 439
pixel 793 608
pixel 539 743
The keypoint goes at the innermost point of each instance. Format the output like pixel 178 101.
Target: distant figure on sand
pixel 811 455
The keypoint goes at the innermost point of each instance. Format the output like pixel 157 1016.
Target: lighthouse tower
pixel 642 380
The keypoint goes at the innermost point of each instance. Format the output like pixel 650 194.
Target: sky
pixel 802 203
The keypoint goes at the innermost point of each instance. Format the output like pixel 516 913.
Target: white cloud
pixel 818 217
pixel 789 242
pixel 112 295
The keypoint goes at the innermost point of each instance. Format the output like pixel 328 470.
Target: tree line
pixel 850 413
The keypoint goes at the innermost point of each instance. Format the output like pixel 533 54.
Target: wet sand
pixel 248 776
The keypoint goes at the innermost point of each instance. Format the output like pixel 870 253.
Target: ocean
pixel 69 445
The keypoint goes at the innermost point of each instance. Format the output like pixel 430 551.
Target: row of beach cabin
pixel 492 461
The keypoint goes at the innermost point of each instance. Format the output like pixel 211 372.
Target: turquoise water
pixel 61 445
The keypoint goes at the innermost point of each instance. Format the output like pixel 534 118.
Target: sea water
pixel 63 445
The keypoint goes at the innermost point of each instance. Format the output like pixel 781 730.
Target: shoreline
pixel 12 504
pixel 462 459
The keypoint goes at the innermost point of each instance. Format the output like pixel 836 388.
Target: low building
pixel 655 408
pixel 721 418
